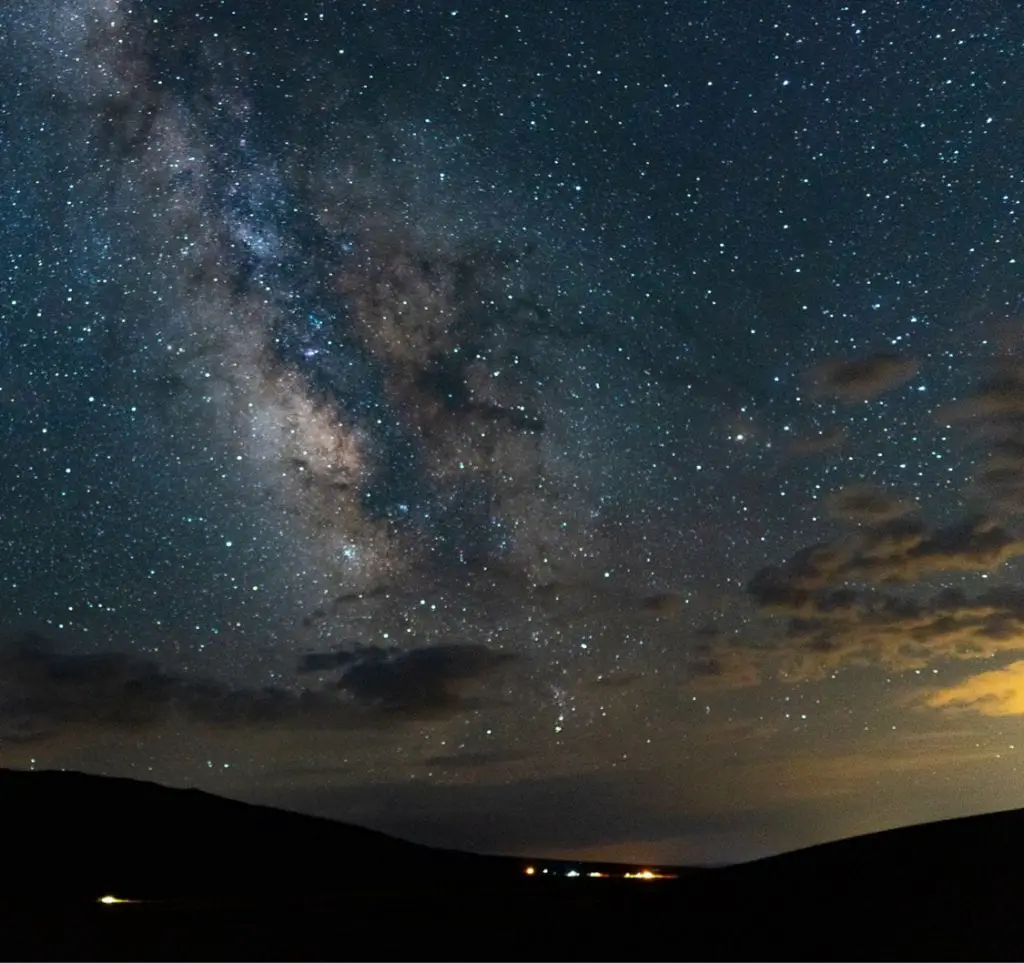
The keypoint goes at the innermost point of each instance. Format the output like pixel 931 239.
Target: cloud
pixel 324 661
pixel 994 413
pixel 830 592
pixel 998 400
pixel 430 679
pixel 473 760
pixel 999 692
pixel 898 550
pixel 717 667
pixel 840 629
pixel 1000 478
pixel 45 691
pixel 665 605
pixel 867 505
pixel 837 616
pixel 862 379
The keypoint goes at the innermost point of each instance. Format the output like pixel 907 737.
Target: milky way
pixel 351 325
pixel 427 395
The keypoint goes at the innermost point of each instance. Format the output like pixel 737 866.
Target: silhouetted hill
pixel 234 881
pixel 149 841
pixel 928 849
pixel 943 890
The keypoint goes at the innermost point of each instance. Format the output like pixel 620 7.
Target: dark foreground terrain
pixel 221 880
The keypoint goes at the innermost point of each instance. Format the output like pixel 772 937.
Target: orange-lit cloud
pixel 999 692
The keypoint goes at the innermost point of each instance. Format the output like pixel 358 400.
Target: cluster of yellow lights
pixel 641 874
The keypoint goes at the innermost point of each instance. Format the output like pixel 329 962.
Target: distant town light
pixel 642 874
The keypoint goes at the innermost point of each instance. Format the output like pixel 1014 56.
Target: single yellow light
pixel 530 871
pixel 110 900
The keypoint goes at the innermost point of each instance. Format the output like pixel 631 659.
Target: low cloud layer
pixel 433 679
pixel 45 691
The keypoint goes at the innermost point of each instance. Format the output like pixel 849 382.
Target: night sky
pixel 579 427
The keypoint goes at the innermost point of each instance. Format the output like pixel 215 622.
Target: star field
pixel 436 415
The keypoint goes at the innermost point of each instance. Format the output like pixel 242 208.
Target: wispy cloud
pixel 998 692
pixel 862 379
